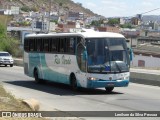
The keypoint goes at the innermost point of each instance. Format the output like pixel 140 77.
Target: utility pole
pixel 6 19
pixel 49 16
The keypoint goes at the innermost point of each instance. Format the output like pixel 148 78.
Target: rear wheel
pixel 73 82
pixel 109 89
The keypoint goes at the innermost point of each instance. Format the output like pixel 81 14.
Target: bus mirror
pixel 85 55
pixel 130 54
pixel 128 49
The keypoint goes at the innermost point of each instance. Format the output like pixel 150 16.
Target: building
pixel 73 16
pixel 131 35
pixel 109 29
pixel 135 21
pixel 122 21
pixel 148 40
pixel 42 25
pixel 15 10
pixel 67 27
pixel 147 55
pixel 2 11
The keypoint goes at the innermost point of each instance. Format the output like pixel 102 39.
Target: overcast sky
pixel 112 8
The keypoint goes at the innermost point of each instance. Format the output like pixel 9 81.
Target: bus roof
pixel 92 34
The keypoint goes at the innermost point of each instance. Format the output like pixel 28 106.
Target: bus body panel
pixel 58 67
pixel 108 80
pixel 48 69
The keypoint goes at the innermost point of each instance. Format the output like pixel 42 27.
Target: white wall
pixel 149 61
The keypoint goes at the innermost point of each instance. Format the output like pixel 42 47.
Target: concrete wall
pixel 18 62
pixel 149 61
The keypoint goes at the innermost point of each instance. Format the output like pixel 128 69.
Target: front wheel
pixel 11 65
pixel 73 82
pixel 109 89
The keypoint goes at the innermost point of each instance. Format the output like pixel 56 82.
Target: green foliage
pixel 25 9
pixel 96 23
pixel 128 25
pixel 2 30
pixel 55 21
pixel 9 44
pixel 35 9
pixel 24 23
pixel 113 22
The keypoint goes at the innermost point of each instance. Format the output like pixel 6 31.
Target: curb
pixel 144 78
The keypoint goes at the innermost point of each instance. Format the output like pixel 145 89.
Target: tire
pixel 36 76
pixel 73 82
pixel 11 65
pixel 5 65
pixel 109 89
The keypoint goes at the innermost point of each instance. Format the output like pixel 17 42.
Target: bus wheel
pixel 73 82
pixel 11 65
pixel 109 89
pixel 36 76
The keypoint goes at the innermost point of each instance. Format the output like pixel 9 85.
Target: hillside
pixel 44 4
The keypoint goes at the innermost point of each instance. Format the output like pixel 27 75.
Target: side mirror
pixel 130 54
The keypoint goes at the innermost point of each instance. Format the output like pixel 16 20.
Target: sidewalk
pixel 147 71
pixel 145 76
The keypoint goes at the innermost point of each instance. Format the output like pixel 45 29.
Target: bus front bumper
pixel 107 83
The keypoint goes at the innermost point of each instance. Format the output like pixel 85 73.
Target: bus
pixel 84 59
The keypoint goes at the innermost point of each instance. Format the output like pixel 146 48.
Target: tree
pixel 96 22
pixel 128 25
pixel 2 30
pixel 113 22
pixel 8 44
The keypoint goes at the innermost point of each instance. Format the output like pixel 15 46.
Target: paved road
pixel 54 96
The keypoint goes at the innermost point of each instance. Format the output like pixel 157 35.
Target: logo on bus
pixel 62 60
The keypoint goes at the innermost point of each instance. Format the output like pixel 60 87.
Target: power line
pixel 150 11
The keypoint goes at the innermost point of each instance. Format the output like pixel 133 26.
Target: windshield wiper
pixel 117 64
pixel 118 67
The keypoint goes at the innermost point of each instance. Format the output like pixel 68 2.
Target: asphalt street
pixel 53 96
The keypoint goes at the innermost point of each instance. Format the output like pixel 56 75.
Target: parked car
pixel 6 59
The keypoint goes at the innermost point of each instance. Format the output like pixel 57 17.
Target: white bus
pixel 86 59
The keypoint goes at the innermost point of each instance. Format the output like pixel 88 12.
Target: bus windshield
pixel 107 55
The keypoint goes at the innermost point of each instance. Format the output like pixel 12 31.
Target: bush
pixel 9 44
pixel 25 9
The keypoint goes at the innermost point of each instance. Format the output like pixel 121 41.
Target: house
pixel 109 29
pixel 147 55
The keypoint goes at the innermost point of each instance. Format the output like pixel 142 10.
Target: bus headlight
pixel 126 78
pixel 91 78
pixel 121 78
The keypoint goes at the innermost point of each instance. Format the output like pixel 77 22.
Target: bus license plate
pixel 110 84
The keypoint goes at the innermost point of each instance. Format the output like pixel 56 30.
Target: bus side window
pixel 72 45
pixel 32 45
pixel 46 45
pixel 62 41
pixel 54 45
pixel 38 45
pixel 41 45
pixel 26 45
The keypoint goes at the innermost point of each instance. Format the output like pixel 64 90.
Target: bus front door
pixel 82 63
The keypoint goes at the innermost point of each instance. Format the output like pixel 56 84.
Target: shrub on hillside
pixel 9 44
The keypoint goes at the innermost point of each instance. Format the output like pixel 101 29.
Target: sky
pixel 119 8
